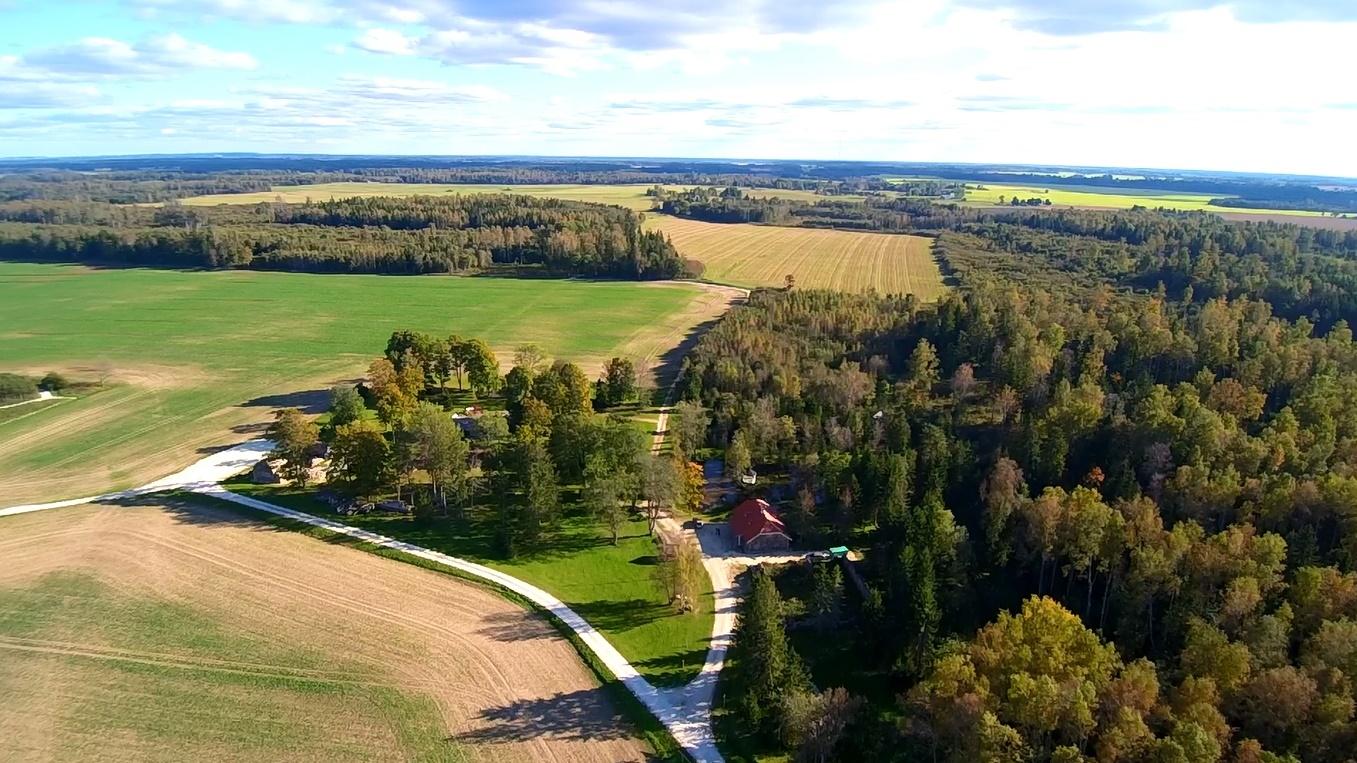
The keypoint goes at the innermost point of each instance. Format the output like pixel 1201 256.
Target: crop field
pixel 1112 198
pixel 113 647
pixel 190 360
pixel 763 255
pixel 610 586
pixel 631 196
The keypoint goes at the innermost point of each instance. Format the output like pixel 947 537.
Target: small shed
pixel 758 527
pixel 267 472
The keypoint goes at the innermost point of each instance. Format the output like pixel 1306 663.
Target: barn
pixel 757 527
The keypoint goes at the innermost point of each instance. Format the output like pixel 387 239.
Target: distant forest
pixel 158 178
pixel 413 235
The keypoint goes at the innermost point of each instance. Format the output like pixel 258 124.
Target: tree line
pixel 370 235
pixel 1099 525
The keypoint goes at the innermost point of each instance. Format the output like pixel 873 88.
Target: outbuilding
pixel 757 527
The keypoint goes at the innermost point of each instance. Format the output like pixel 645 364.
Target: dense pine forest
pixel 412 235
pixel 1099 524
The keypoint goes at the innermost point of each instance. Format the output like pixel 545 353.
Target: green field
pixel 631 196
pixel 763 255
pixel 1111 198
pixel 610 586
pixel 189 360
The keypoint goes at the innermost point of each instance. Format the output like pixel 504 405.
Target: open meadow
pixel 763 255
pixel 180 631
pixel 185 361
pixel 630 195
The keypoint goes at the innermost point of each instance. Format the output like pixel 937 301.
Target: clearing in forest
pixel 114 645
pixel 763 255
pixel 185 361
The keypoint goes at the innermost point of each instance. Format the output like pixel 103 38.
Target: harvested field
pixel 763 255
pixel 113 645
pixel 1310 221
pixel 188 361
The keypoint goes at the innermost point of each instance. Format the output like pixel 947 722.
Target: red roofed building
pixel 757 527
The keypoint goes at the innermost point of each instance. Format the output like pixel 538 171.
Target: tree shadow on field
pixel 671 360
pixel 516 625
pixel 191 509
pixel 585 715
pixel 311 401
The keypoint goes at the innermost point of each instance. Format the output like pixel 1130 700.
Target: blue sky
pixel 1247 85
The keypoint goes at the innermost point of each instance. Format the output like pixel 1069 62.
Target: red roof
pixel 755 517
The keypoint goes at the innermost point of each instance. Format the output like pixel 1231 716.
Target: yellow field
pixel 1113 198
pixel 631 196
pixel 763 255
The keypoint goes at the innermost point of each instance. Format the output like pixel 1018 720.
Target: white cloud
pixel 104 56
pixel 387 41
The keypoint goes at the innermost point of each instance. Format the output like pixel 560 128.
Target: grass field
pixel 114 647
pixel 1112 198
pixel 631 196
pixel 763 255
pixel 610 586
pixel 191 360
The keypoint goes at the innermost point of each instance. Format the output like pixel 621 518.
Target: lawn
pixel 763 255
pixel 189 360
pixel 610 586
pixel 629 195
pixel 1111 198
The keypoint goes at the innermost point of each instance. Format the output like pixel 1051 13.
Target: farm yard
pixel 114 648
pixel 760 255
pixel 190 360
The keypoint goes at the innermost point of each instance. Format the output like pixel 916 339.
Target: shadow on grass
pixel 675 663
pixel 621 615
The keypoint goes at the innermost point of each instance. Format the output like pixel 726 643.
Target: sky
pixel 1247 85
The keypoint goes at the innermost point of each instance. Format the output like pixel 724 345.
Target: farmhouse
pixel 757 527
